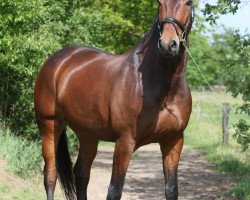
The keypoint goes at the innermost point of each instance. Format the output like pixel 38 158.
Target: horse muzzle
pixel 169 49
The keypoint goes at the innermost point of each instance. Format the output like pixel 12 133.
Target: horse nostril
pixel 173 45
pixel 169 47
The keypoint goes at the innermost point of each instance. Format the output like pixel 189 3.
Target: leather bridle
pixel 171 20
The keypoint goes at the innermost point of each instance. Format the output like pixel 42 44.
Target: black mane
pixel 149 36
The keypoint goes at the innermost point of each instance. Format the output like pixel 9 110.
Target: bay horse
pixel 133 99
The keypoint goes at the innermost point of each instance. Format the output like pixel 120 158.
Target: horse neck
pixel 156 70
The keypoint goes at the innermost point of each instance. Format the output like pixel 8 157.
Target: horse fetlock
pixel 49 187
pixel 114 194
pixel 171 192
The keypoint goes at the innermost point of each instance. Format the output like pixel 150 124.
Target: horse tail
pixel 64 168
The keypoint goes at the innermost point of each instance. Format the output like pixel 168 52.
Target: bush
pixel 30 31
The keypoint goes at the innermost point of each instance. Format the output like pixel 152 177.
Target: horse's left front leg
pixel 123 151
pixel 87 153
pixel 171 150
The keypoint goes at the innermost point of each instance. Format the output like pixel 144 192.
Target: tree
pixel 25 41
pixel 30 31
pixel 237 66
pixel 238 82
pixel 221 7
pixel 208 50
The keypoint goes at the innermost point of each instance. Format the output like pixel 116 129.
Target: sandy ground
pixel 144 181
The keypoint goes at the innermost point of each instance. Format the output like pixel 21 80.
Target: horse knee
pixel 171 193
pixel 114 195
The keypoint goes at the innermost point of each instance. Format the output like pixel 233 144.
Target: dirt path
pixel 197 178
pixel 144 181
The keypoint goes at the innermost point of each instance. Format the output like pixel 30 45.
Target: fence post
pixel 198 108
pixel 225 112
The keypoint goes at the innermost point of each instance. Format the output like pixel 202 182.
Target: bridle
pixel 182 37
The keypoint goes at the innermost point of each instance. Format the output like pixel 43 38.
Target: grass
pixel 31 189
pixel 7 193
pixel 21 156
pixel 204 132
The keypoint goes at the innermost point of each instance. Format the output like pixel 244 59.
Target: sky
pixel 241 20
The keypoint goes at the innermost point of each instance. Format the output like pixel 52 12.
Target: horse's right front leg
pixel 123 151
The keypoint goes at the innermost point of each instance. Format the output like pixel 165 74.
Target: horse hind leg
pixel 86 156
pixel 50 138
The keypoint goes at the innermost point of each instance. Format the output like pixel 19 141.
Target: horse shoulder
pixel 126 99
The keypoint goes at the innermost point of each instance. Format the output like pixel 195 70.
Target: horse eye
pixel 189 3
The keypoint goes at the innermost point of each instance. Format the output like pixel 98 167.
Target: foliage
pixel 200 49
pixel 242 189
pixel 237 66
pixel 238 82
pixel 221 7
pixel 208 52
pixel 30 31
pixel 208 47
pixel 25 42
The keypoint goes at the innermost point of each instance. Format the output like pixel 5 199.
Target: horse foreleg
pixel 171 150
pixel 122 154
pixel 87 153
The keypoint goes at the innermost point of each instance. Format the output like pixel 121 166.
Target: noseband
pixel 171 20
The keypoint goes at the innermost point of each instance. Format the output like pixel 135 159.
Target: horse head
pixel 175 18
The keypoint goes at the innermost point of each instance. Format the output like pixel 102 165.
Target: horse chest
pixel 172 119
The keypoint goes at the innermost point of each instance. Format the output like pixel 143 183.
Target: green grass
pixel 21 156
pixel 8 193
pixel 204 132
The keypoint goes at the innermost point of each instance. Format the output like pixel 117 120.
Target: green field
pixel 204 132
